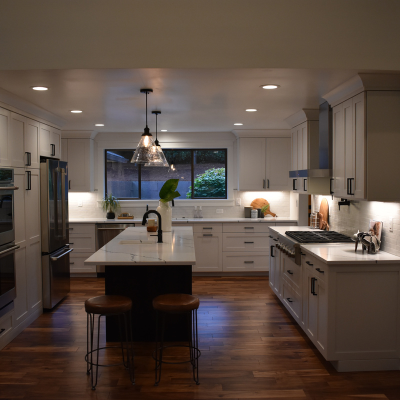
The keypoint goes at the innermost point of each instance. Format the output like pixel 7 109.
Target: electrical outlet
pixel 80 203
pixel 220 211
pixel 391 225
pixel 238 201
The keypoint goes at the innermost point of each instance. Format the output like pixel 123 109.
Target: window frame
pixel 192 150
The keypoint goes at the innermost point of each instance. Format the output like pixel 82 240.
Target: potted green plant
pixel 110 204
pixel 167 193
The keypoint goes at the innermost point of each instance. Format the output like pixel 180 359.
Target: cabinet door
pixel 16 142
pixel 294 150
pixel 45 134
pixel 79 157
pixel 245 242
pixel 272 262
pixel 208 247
pixel 339 151
pixel 349 141
pixel 304 145
pixel 55 142
pixel 64 150
pixel 252 164
pixel 300 146
pixel 4 137
pixel 32 143
pixel 358 185
pixel 278 163
pixel 33 239
pixel 277 275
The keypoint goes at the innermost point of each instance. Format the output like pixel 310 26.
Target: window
pixel 201 174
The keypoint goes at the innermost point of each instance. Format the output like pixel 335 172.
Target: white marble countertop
pixel 180 220
pixel 177 248
pixel 332 254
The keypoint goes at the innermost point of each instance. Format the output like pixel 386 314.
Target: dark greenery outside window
pixel 201 174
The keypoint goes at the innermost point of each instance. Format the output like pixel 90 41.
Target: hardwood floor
pixel 251 349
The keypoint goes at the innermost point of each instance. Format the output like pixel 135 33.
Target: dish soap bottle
pixel 200 213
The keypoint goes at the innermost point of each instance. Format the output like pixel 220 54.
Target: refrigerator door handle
pixel 61 255
pixel 63 208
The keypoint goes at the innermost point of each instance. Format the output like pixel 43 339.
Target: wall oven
pixel 7 237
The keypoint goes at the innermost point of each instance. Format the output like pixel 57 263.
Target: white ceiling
pixel 191 100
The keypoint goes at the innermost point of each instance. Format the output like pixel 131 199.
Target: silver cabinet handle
pixel 249 227
pixel 9 188
pixel 61 255
pixel 207 228
pixel 249 262
pixel 249 242
pixel 207 234
pixel 71 263
pixel 10 249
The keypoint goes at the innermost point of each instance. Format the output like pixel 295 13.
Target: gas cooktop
pixel 319 237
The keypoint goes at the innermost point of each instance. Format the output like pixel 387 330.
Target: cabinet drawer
pixel 291 301
pixel 246 242
pixel 77 265
pixel 207 228
pixel 82 228
pixel 291 271
pixel 82 243
pixel 247 227
pixel 320 269
pixel 233 261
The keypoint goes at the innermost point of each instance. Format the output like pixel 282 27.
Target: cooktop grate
pixel 319 237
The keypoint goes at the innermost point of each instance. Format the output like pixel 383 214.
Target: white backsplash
pixel 356 217
pixel 279 204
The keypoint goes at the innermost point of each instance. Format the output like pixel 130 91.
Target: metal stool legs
pixel 126 348
pixel 193 346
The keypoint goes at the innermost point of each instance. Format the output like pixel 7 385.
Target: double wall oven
pixel 7 240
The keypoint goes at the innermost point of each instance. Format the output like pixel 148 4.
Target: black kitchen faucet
pixel 159 233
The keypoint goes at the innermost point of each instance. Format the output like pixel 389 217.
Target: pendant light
pixel 162 162
pixel 144 153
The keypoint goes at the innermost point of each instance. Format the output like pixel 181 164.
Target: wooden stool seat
pixel 176 303
pixel 107 305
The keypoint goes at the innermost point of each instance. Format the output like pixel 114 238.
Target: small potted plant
pixel 110 204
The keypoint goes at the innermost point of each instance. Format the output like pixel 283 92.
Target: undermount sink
pixel 137 241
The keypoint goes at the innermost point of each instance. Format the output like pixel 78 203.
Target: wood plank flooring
pixel 251 349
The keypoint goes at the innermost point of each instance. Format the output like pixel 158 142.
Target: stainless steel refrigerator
pixel 55 231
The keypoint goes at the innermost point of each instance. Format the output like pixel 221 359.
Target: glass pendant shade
pixel 161 161
pixel 146 152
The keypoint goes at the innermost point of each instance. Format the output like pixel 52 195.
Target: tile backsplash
pixel 356 217
pixel 279 204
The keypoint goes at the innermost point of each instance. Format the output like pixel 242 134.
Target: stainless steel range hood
pixel 320 155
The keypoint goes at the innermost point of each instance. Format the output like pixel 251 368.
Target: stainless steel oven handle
pixel 9 188
pixel 10 249
pixel 61 255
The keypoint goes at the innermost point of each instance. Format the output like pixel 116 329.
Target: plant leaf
pixel 168 190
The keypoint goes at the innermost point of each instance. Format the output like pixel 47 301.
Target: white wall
pixel 356 217
pixel 183 208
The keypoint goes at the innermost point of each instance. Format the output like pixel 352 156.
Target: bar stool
pixel 106 306
pixel 177 303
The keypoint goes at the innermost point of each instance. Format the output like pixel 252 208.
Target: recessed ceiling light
pixel 251 110
pixel 99 125
pixel 76 111
pixel 40 88
pixel 238 123
pixel 164 130
pixel 270 86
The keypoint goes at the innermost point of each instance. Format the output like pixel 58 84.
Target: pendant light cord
pixel 156 126
pixel 146 109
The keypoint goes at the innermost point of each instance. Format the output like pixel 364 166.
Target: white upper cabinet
pixel 32 143
pixel 4 136
pixel 349 152
pixel 263 163
pixel 50 141
pixel 79 153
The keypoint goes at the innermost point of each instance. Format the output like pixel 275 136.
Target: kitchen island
pixel 142 269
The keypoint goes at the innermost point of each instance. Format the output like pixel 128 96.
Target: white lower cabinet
pixel 208 247
pixel 82 238
pixel 349 312
pixel 244 261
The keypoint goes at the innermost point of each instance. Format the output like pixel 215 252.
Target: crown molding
pixel 14 103
pixel 78 134
pixel 306 114
pixel 361 83
pixel 255 133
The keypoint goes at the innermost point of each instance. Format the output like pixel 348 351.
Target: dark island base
pixel 142 284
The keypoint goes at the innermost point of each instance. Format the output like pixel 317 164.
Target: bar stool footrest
pixel 198 354
pixel 103 348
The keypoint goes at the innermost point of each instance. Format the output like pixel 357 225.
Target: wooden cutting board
pixel 260 203
pixel 324 215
